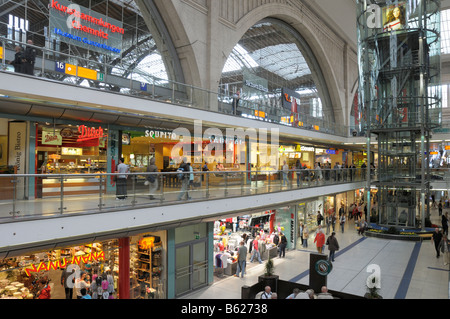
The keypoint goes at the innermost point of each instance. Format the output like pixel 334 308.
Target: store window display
pixel 60 273
pixel 147 266
pixel 228 233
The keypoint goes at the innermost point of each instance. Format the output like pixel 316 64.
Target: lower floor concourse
pixel 409 270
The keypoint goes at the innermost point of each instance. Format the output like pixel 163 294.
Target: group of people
pixel 24 60
pixel 253 247
pixel 296 294
pixel 100 287
pixel 322 172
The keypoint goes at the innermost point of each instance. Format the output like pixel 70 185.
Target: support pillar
pixel 124 268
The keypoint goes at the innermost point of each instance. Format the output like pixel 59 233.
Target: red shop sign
pixel 89 133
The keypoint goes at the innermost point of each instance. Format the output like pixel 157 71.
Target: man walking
pixel 241 259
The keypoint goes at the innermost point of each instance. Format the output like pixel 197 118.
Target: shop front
pixel 70 149
pixel 230 232
pixel 103 268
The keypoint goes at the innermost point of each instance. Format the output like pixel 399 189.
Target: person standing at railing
pixel 121 183
pixel 29 58
pixel 184 174
pixel 236 99
pixel 152 178
pixel 17 62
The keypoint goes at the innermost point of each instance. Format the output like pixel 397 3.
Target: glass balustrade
pixel 50 195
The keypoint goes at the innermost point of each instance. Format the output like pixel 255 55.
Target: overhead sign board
pixel 80 26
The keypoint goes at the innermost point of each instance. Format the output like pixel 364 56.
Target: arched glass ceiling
pixel 140 57
pixel 274 54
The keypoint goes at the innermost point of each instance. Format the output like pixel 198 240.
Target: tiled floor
pixel 409 270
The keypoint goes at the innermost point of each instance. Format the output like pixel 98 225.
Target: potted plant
pixel 269 278
pixel 372 290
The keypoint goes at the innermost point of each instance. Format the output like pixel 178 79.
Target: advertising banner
pixel 77 25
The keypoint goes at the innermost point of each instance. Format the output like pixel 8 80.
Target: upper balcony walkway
pixel 48 222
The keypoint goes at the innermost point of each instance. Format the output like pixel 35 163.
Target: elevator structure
pixel 399 100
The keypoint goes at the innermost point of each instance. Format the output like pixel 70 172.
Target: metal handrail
pixel 214 185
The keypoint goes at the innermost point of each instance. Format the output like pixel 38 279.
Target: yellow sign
pixel 1 52
pixel 87 73
pixel 71 69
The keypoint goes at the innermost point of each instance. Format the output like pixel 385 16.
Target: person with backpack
pixel 152 179
pixel 182 175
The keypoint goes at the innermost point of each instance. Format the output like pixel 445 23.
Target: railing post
pixel 243 174
pixel 161 178
pixel 226 184
pixel 14 182
pixel 133 188
pixel 207 185
pixel 61 197
pixel 100 199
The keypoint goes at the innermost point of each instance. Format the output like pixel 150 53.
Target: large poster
pixel 394 17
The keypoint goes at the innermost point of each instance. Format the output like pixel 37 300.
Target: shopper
pixel 68 281
pixel 342 222
pixel 121 184
pixel 29 58
pixel 328 223
pixel 267 294
pixel 282 246
pixel 445 224
pixel 81 283
pixel 333 245
pixel 183 175
pixel 319 218
pixel 319 240
pixel 255 250
pixel 152 179
pixel 440 207
pixel 84 294
pixel 294 294
pixel 45 290
pixel 324 294
pixel 305 236
pixel 241 260
pixel 301 232
pixel 17 62
pixel 436 240
pixel 444 248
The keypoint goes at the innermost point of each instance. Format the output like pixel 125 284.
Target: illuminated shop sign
pixel 59 264
pixel 305 148
pixel 89 133
pixel 161 134
pixel 51 138
pixel 71 151
pixel 82 27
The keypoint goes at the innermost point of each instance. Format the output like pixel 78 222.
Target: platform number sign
pixel 60 67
